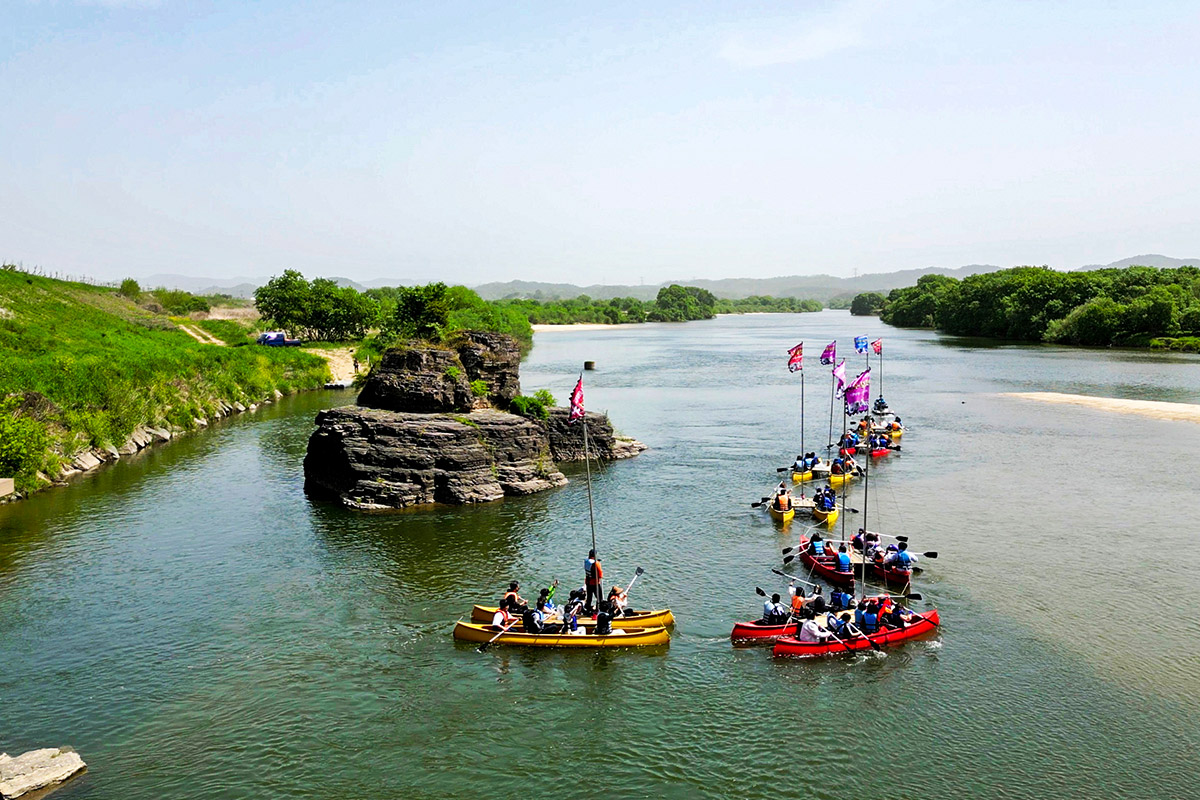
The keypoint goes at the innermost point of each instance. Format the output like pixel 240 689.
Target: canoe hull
pixel 801 477
pixel 781 516
pixel 790 647
pixel 825 569
pixel 828 517
pixel 881 451
pixel 643 637
pixel 754 632
pixel 660 618
pixel 839 480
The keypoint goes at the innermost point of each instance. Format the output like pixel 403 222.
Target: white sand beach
pixel 1186 412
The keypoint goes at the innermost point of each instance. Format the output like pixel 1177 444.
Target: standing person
pixel 355 366
pixel 593 573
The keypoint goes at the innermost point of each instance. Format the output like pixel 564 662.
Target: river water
pixel 196 627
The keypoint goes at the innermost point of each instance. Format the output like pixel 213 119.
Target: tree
pixel 421 312
pixel 867 303
pixel 131 289
pixel 286 300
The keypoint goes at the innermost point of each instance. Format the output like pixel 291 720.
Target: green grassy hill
pixel 82 367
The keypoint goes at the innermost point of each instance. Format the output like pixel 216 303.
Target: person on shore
pixel 593 573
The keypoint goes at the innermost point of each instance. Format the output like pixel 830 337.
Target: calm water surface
pixel 196 627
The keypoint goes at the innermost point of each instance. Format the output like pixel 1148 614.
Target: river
pixel 196 627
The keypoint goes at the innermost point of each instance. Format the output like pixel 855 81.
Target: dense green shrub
pixel 131 289
pixel 22 444
pixel 530 407
pixel 479 388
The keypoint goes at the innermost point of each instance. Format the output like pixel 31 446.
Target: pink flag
pixel 858 394
pixel 796 358
pixel 839 372
pixel 830 353
pixel 576 402
pixel 877 346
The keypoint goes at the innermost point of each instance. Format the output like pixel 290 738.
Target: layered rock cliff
pixel 419 435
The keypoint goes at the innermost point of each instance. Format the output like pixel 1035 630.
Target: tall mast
pixel 803 452
pixel 588 466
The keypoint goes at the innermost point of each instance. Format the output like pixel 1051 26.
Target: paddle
pixel 760 503
pixel 483 647
pixel 839 641
pixel 853 629
pixel 793 577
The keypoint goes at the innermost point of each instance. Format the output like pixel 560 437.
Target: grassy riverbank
pixel 82 367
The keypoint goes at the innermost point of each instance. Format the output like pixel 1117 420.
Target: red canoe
pixel 825 566
pixel 891 576
pixel 880 451
pixel 791 647
pixel 757 633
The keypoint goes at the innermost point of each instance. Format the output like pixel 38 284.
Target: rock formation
pixel 402 445
pixel 37 769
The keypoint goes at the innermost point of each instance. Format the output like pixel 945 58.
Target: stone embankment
pixel 420 434
pixel 141 438
pixel 37 770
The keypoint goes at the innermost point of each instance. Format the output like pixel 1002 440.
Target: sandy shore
pixel 574 326
pixel 341 361
pixel 1186 412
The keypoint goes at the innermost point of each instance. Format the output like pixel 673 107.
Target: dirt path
pixel 200 335
pixel 1185 412
pixel 341 361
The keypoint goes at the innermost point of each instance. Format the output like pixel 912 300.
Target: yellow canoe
pixel 782 516
pixel 828 517
pixel 801 477
pixel 638 619
pixel 644 637
pixel 838 480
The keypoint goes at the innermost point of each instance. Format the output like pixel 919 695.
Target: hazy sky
pixel 594 142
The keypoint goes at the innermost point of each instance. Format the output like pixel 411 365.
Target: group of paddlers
pixel 545 616
pixel 893 555
pixel 843 616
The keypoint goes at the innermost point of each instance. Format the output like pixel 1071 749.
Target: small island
pixel 435 423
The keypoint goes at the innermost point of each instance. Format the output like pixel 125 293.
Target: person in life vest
pixel 826 499
pixel 604 620
pixel 870 619
pixel 502 619
pixel 797 599
pixel 815 604
pixel 850 465
pixel 573 608
pixel 775 612
pixel 900 558
pixel 880 405
pixel 816 545
pixel 839 600
pixel 896 426
pixel 511 600
pixel 618 600
pixel 800 465
pixel 547 596
pixel 839 624
pixel 843 559
pixel 534 620
pixel 593 573
pixel 836 467
pixel 783 499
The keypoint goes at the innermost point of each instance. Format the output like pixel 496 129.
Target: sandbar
pixel 1185 412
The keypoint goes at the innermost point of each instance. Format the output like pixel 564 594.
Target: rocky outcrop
pixel 494 359
pixel 372 459
pixel 566 438
pixel 37 769
pixel 422 379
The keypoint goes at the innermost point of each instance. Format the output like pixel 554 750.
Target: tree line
pixel 1127 307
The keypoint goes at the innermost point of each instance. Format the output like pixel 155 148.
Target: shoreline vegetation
pixel 89 374
pixel 1130 307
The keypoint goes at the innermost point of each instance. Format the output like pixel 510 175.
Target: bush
pixel 129 288
pixel 544 397
pixel 529 407
pixel 22 444
pixel 479 388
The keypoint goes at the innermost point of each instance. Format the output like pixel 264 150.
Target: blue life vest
pixel 843 564
pixel 870 622
pixel 858 617
pixel 903 560
pixel 818 547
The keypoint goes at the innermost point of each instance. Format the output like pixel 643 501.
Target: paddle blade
pixel 787 550
pixel 914 596
pixel 758 591
pixel 483 647
pixel 900 538
pixel 639 571
pixel 930 554
pixel 788 559
pixel 783 469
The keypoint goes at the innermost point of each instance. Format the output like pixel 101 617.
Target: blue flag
pixel 860 344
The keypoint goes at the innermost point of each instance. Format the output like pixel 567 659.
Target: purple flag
pixel 839 372
pixel 858 394
pixel 830 354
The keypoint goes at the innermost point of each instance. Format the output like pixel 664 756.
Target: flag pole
pixel 803 452
pixel 587 464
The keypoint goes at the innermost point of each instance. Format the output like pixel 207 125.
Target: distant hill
pixel 818 287
pixel 1149 260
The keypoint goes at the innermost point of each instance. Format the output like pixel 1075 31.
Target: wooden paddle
pixel 853 629
pixel 793 577
pixel 483 647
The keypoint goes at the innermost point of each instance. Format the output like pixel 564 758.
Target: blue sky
pixel 594 142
